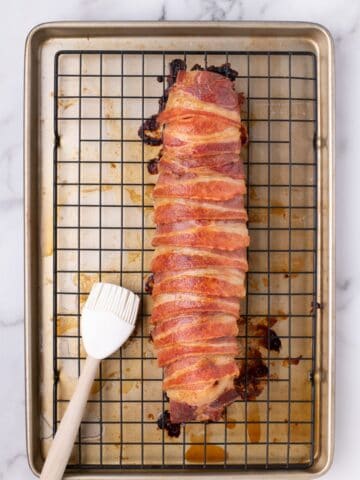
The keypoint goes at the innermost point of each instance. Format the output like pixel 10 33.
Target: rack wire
pixel 102 231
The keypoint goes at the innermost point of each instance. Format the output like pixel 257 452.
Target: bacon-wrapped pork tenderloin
pixel 199 263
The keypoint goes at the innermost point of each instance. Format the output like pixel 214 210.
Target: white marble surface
pixel 342 17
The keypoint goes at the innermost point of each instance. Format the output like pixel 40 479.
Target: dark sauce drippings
pixel 163 422
pixel 152 166
pixel 175 67
pixel 243 134
pixel 249 384
pixel 314 307
pixel 241 98
pixel 150 132
pixel 225 70
pixel 269 339
pixel 273 342
pixel 292 361
pixel 149 284
pixel 162 101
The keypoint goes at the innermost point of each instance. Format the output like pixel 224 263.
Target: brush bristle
pixel 111 298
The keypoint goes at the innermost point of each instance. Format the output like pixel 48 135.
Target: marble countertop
pixel 342 18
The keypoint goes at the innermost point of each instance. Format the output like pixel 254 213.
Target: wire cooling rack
pixel 103 229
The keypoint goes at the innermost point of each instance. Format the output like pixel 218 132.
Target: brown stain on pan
pixel 253 194
pixel 96 387
pixel 212 454
pixel 104 188
pixel 198 453
pixel 65 103
pixel 258 216
pixel 127 386
pixel 253 428
pixel 66 324
pixel 134 196
pixel 278 212
pixel 197 438
pixel 87 280
pixel 148 194
pixel 262 216
pixel 230 423
pixel 276 203
pixel 67 384
pixel 291 361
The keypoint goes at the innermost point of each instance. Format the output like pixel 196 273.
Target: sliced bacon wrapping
pixel 200 244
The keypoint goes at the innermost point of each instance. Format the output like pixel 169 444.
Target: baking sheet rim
pixel 30 236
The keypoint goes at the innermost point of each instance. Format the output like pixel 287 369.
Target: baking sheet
pixel 111 171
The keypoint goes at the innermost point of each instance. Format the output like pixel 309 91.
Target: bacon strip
pixel 215 282
pixel 219 235
pixel 180 258
pixel 194 327
pixel 173 304
pixel 176 210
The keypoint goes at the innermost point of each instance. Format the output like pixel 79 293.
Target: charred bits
pixel 249 384
pixel 225 70
pixel 273 341
pixel 149 285
pixel 243 134
pixel 152 166
pixel 314 306
pixel 292 361
pixel 175 67
pixel 197 67
pixel 150 131
pixel 270 339
pixel 164 423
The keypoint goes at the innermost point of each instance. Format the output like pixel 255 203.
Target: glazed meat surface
pixel 199 263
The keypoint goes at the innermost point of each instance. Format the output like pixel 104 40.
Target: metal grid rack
pixel 102 231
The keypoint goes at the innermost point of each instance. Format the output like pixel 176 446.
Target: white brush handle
pixel 63 442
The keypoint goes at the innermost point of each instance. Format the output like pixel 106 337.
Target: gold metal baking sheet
pixel 102 77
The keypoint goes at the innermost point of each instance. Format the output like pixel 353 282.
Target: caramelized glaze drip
pixel 225 70
pixel 253 426
pixel 163 422
pixel 152 166
pixel 292 361
pixel 249 384
pixel 149 285
pixel 175 67
pixel 196 454
pixel 270 339
pixel 243 134
pixel 150 131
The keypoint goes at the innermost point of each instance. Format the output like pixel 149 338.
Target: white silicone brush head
pixel 108 319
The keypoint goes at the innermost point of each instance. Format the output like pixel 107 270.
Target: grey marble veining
pixel 342 17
